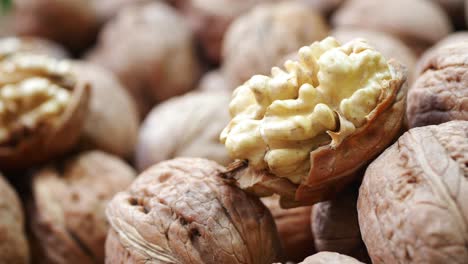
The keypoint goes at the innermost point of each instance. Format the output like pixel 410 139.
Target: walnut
pixel 385 43
pixel 34 45
pixel 210 19
pixel 107 9
pixel 72 23
pixel 149 48
pixel 325 7
pixel 308 128
pixel 179 211
pixel 459 36
pixel 329 258
pixel 335 225
pixel 412 204
pixel 112 122
pixel 294 228
pixel 42 108
pixel 13 244
pixel 418 23
pixel 440 93
pixel 215 81
pixel 187 126
pixel 68 207
pixel 258 39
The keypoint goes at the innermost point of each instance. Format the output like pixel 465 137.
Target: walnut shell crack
pixel 412 204
pixel 179 211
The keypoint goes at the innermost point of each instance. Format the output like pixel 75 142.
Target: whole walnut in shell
pixel 294 228
pixel 32 45
pixel 210 19
pixel 305 131
pixel 72 23
pixel 418 23
pixel 180 211
pixel 215 81
pixel 387 44
pixel 188 126
pixel 330 258
pixel 13 244
pixel 42 109
pixel 67 211
pixel 256 40
pixel 440 93
pixel 150 49
pixel 413 205
pixel 335 225
pixel 112 121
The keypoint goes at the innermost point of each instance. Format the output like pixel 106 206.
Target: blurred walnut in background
pixel 294 228
pixel 215 81
pixel 72 23
pixel 455 10
pixel 258 39
pixel 418 23
pixel 67 211
pixel 149 47
pixel 107 9
pixel 185 126
pixel 440 92
pixel 335 225
pixel 181 211
pixel 111 123
pixel 413 205
pixel 13 243
pixel 325 7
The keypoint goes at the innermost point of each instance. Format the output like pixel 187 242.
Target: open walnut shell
pixel 67 211
pixel 42 108
pixel 179 211
pixel 304 132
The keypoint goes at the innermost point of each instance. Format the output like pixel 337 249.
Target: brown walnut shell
pixel 185 126
pixel 258 39
pixel 68 208
pixel 440 93
pixel 111 124
pixel 179 211
pixel 330 258
pixel 13 244
pixel 149 47
pixel 418 23
pixel 413 203
pixel 335 225
pixel 294 229
pixel 333 167
pixel 72 23
pixel 32 146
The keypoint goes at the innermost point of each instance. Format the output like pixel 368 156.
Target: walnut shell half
pixel 42 109
pixel 413 202
pixel 67 211
pixel 306 130
pixel 179 211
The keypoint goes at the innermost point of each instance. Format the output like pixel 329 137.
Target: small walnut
pixel 440 93
pixel 413 205
pixel 42 109
pixel 72 23
pixel 150 49
pixel 418 23
pixel 185 126
pixel 179 211
pixel 67 213
pixel 34 45
pixel 388 45
pixel 307 129
pixel 112 121
pixel 330 258
pixel 335 225
pixel 13 244
pixel 258 39
pixel 210 19
pixel 294 228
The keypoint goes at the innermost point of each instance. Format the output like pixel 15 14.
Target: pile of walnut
pixel 233 131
